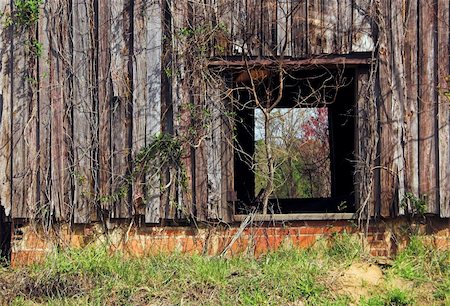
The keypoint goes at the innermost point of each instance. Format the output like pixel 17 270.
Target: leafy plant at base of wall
pixel 413 205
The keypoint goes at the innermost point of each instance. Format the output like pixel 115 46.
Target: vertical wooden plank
pixel 44 114
pixel 185 103
pixel 121 82
pixel 315 27
pixel 239 27
pixel 213 149
pixel 201 181
pixel 108 38
pixel 366 145
pixel 253 25
pixel 146 101
pixel 24 123
pixel 330 11
pixel 361 32
pixel 387 135
pixel 30 139
pixel 82 111
pixel 284 25
pixel 443 19
pixel 269 28
pixel 166 97
pixel 153 123
pixel 6 42
pixel 299 28
pixel 399 94
pixel 411 103
pixel 176 71
pixel 19 118
pixel 140 97
pixel 60 99
pixel 227 159
pixel 344 26
pixel 427 104
pixel 223 13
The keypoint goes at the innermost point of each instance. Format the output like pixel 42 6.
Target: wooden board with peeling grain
pixel 222 18
pixel 201 181
pixel 21 115
pixel 330 24
pixel 180 196
pixel 153 117
pixel 227 160
pixel 299 28
pixel 239 30
pixel 399 94
pixel 44 114
pixel 30 160
pixel 315 27
pixel 6 100
pixel 363 25
pixel 140 97
pixel 253 25
pixel 105 33
pixel 427 105
pixel 443 71
pixel 411 117
pixel 60 97
pixel 366 186
pixel 387 137
pixel 83 112
pixel 269 28
pixel 213 149
pixel 147 100
pixel 121 104
pixel 284 25
pixel 344 26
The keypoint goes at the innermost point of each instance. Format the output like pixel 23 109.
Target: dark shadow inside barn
pixel 5 237
pixel 311 133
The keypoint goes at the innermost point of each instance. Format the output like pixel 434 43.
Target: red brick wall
pixel 384 238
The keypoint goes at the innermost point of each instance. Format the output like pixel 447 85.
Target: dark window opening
pixel 5 237
pixel 311 134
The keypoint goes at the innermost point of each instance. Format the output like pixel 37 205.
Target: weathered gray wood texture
pixel 74 119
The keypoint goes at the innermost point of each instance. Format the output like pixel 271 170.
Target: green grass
pixel 94 276
pixel 396 296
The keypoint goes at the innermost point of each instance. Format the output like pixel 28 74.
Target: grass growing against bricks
pixel 316 276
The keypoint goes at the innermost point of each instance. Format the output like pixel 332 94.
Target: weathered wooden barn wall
pixel 113 74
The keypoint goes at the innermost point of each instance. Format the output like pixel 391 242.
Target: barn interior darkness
pixel 304 91
pixel 5 236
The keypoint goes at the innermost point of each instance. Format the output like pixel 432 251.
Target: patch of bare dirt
pixel 359 280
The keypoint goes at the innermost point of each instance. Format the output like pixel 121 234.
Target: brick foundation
pixel 385 238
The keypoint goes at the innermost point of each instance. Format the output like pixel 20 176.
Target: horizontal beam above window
pixel 352 59
pixel 294 217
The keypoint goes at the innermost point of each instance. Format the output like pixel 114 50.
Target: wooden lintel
pixel 299 217
pixel 335 60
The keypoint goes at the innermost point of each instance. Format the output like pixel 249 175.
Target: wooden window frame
pixel 355 63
